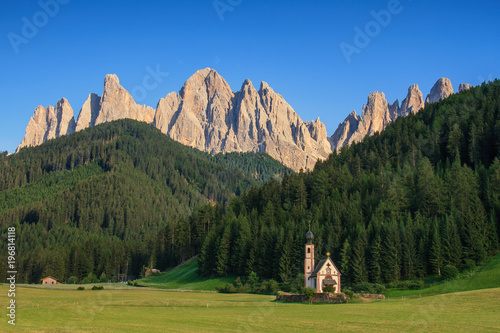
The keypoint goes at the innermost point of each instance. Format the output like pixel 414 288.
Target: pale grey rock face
pixel 64 117
pixel 374 118
pixel 344 132
pixel 89 112
pixel 49 123
pixel 441 89
pixel 207 115
pixel 464 86
pixel 413 102
pixel 394 110
pixel 166 109
pixel 376 115
pixel 117 103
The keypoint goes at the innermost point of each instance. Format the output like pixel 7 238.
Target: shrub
pixel 469 265
pixel 72 280
pixel 103 278
pixel 297 284
pixel 267 287
pixel 81 288
pixel 253 280
pixel 348 293
pixel 379 288
pixel 449 272
pixel 329 289
pixel 93 278
pixel 370 288
pixel 419 284
pixel 98 288
pixel 272 287
pixel 406 284
pixel 229 289
pixel 309 293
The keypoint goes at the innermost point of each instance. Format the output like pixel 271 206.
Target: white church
pixel 321 275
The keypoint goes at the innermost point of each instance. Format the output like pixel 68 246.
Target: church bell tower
pixel 309 260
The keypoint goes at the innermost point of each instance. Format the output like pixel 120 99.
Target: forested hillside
pixel 113 198
pixel 402 204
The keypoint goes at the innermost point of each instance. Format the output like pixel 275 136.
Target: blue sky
pixel 295 46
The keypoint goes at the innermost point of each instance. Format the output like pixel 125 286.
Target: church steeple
pixel 309 237
pixel 309 259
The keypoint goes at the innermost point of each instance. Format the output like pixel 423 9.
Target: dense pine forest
pixel 112 199
pixel 403 204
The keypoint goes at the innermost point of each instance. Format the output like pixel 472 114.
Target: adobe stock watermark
pixel 29 29
pixel 372 29
pixel 256 318
pixel 223 6
pixel 150 81
pixel 423 317
pixel 11 274
pixel 88 310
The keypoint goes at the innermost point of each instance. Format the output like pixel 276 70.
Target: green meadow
pixel 470 303
pixel 487 276
pixel 185 277
pixel 148 310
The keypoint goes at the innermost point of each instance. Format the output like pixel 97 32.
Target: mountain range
pixel 208 115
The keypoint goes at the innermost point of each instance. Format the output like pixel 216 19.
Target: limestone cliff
pixel 413 102
pixel 117 103
pixel 89 112
pixel 464 86
pixel 206 114
pixel 49 123
pixel 441 89
pixel 375 116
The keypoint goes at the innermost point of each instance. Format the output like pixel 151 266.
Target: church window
pixel 308 250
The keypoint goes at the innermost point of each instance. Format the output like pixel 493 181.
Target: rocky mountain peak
pixel 65 119
pixel 89 112
pixel 375 115
pixel 464 86
pixel 265 87
pixel 49 123
pixel 208 115
pixel 441 89
pixel 413 102
pixel 111 80
pixel 394 110
pixel 117 103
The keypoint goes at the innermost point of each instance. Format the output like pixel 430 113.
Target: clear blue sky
pixel 292 45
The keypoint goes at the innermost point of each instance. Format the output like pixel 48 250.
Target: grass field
pixel 452 306
pixel 185 278
pixel 146 310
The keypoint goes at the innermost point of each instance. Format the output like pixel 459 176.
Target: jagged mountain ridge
pixel 208 115
pixel 378 113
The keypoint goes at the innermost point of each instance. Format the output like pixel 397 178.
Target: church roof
pixel 320 266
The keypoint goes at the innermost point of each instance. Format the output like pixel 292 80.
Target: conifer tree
pixel 436 251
